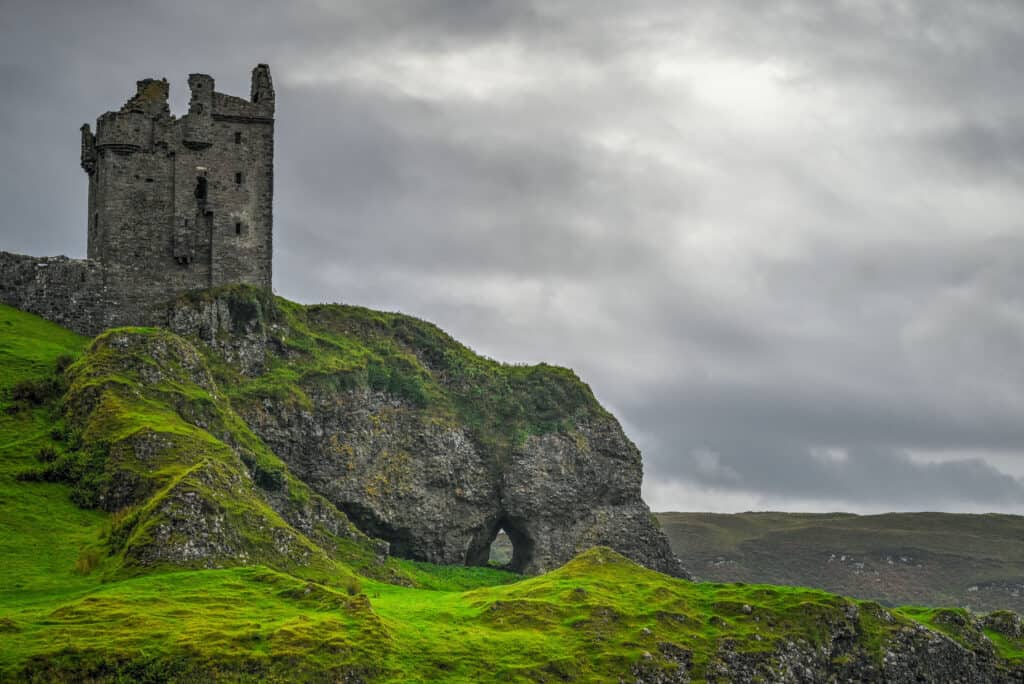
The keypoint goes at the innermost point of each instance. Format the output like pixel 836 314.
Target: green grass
pixel 43 531
pixel 338 347
pixel 452 577
pixel 80 601
pixel 248 623
pixel 591 620
pixel 1010 649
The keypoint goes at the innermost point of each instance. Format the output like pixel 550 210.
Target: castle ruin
pixel 186 204
pixel 175 204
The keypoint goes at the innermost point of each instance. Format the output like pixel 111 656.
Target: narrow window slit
pixel 200 191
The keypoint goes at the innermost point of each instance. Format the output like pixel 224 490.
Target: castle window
pixel 238 228
pixel 238 137
pixel 149 180
pixel 200 191
pixel 238 178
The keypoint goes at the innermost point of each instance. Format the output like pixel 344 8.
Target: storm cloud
pixel 783 241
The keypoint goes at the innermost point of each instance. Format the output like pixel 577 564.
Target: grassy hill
pixel 118 451
pixel 974 561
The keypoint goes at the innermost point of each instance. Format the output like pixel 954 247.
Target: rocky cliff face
pixel 382 415
pixel 909 653
pixel 436 494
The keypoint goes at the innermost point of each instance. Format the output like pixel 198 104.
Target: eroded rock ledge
pixel 437 495
pixel 423 443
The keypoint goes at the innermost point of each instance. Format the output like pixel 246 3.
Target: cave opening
pixel 505 544
pixel 501 549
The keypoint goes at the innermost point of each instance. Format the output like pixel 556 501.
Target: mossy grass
pixel 590 620
pixel 43 530
pixel 76 604
pixel 335 347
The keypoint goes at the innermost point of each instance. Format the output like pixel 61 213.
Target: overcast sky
pixel 782 241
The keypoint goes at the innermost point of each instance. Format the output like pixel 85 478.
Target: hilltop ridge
pixel 971 561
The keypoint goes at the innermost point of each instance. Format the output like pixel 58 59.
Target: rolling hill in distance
pixel 972 561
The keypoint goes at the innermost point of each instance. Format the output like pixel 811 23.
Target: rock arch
pixel 523 546
pixel 436 495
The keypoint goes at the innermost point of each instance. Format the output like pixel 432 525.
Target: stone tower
pixel 177 204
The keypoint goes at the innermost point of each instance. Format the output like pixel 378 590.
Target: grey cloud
pixel 986 151
pixel 829 259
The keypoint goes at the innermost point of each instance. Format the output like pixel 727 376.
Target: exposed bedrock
pixel 420 475
pixel 435 495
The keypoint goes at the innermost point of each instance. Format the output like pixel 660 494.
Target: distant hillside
pixel 973 561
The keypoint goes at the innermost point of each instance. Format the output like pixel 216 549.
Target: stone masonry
pixel 175 204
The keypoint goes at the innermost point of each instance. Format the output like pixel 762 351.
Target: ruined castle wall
pixel 93 240
pixel 68 292
pixel 134 205
pixel 75 293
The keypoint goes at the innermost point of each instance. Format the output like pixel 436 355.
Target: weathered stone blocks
pixel 175 204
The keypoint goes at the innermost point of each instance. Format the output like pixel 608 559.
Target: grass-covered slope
pixel 144 433
pixel 599 618
pixel 936 559
pixel 338 347
pixel 42 531
pixel 110 447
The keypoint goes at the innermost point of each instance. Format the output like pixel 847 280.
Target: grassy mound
pixel 592 620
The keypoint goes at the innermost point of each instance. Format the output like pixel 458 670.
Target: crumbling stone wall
pixel 74 293
pixel 66 291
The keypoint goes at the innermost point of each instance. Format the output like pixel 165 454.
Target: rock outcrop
pixel 426 445
pixel 436 494
pixel 155 440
